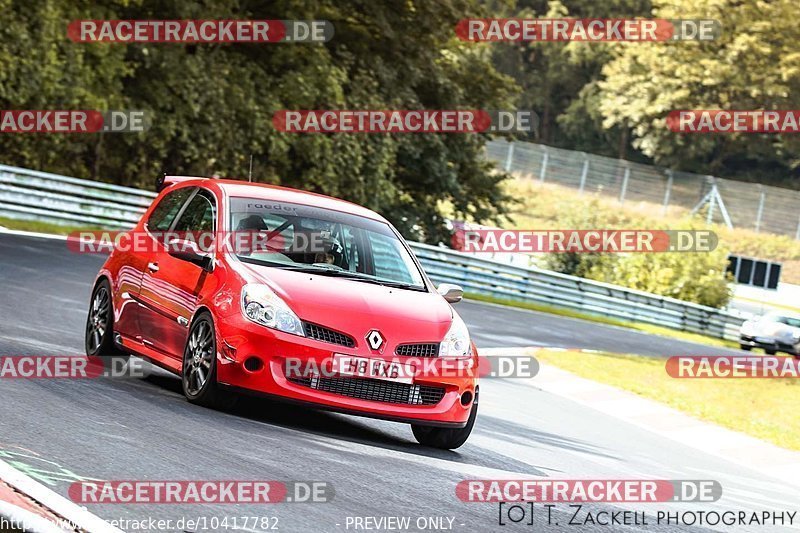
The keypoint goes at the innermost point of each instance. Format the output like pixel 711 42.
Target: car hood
pixel 356 307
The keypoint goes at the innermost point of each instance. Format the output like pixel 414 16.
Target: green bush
pixel 698 277
pixel 693 276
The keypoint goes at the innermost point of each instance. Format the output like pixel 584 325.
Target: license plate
pixel 364 367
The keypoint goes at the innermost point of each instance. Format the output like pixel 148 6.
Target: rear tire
pixel 199 371
pixel 446 438
pixel 99 335
pixel 745 347
pixel 769 351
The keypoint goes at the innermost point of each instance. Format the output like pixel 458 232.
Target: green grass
pixel 758 407
pixel 39 226
pixel 638 326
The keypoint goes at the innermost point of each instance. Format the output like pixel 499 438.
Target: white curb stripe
pixel 54 501
pixel 23 519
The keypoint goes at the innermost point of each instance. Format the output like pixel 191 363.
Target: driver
pixel 331 252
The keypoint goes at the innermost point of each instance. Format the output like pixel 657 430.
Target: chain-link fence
pixel 737 204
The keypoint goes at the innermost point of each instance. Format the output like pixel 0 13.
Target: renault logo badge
pixel 375 340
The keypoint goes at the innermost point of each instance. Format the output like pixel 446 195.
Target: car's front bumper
pixel 241 340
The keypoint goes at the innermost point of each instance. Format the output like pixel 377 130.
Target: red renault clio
pixel 335 311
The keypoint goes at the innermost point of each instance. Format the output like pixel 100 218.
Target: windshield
pixel 301 237
pixel 783 319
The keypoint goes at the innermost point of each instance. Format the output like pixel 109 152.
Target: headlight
pixel 456 343
pixel 261 305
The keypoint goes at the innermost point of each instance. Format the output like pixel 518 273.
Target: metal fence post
pixel 510 156
pixel 584 173
pixel 543 170
pixel 760 212
pixel 712 203
pixel 624 189
pixel 668 192
pixel 797 233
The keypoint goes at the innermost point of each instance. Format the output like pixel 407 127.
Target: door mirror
pixel 188 251
pixel 452 293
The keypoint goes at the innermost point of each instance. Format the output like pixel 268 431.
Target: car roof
pixel 263 191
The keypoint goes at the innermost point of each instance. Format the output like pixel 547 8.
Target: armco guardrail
pixel 37 195
pixel 500 280
pixel 29 194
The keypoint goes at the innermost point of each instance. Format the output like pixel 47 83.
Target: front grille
pixel 375 390
pixel 321 333
pixel 430 349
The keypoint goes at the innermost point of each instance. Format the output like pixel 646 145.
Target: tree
pixel 212 104
pixel 754 64
pixel 559 79
pixel 41 69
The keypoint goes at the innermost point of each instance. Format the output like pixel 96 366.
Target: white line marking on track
pixel 6 231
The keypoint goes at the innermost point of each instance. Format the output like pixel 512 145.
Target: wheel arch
pixel 197 312
pixel 103 276
pixel 203 308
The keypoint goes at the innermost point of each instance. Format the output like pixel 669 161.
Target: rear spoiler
pixel 164 181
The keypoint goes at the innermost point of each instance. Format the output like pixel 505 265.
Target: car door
pixel 170 286
pixel 134 260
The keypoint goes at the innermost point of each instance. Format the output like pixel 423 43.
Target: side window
pixel 164 213
pixel 198 215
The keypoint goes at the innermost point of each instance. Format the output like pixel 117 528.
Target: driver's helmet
pixel 331 251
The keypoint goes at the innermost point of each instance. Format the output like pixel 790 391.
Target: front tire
pixel 446 438
pixel 99 336
pixel 199 372
pixel 769 351
pixel 745 347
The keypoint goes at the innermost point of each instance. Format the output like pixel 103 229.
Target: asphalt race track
pixel 64 430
